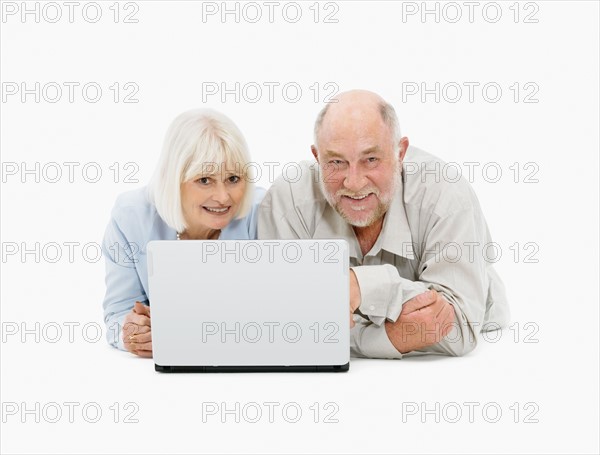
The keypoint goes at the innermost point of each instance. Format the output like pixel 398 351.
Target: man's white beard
pixel 384 201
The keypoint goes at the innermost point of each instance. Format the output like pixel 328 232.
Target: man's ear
pixel 315 153
pixel 402 147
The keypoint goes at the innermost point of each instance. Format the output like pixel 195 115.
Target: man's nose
pixel 354 179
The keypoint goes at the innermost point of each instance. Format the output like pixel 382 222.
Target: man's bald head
pixel 356 109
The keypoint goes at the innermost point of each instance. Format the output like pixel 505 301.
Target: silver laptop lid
pixel 249 303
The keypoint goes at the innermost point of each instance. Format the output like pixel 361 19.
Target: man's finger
pixel 446 315
pixel 440 305
pixel 446 328
pixel 433 309
pixel 420 301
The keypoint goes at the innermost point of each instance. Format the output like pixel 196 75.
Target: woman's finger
pixel 140 319
pixel 140 308
pixel 142 346
pixel 141 337
pixel 130 328
pixel 145 354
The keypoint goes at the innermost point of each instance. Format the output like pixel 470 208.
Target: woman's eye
pixel 234 179
pixel 204 180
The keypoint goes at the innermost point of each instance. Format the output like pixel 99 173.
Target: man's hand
pixel 354 296
pixel 137 335
pixel 424 320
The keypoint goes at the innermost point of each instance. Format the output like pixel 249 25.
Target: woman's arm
pixel 123 285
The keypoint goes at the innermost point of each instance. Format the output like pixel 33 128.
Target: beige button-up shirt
pixel 434 236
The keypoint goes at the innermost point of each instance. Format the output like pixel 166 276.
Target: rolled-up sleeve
pixel 383 291
pixel 371 341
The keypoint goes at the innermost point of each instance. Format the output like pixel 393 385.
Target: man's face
pixel 360 167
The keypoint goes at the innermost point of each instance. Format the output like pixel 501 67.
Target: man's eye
pixel 234 179
pixel 336 162
pixel 372 159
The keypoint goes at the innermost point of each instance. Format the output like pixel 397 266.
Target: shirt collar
pixel 332 226
pixel 395 236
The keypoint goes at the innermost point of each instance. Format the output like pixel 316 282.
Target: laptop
pixel 249 305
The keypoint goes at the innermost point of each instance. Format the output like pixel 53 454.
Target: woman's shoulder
pixel 134 216
pixel 138 196
pixel 245 228
pixel 259 194
pixel 133 205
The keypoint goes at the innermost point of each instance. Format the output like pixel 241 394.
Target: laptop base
pixel 253 369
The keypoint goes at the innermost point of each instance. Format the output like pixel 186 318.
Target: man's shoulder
pixel 297 186
pixel 435 185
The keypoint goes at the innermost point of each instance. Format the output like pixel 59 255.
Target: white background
pixel 169 53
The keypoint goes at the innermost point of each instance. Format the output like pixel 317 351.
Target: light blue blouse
pixel 135 222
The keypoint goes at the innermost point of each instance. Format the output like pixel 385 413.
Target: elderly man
pixel 420 282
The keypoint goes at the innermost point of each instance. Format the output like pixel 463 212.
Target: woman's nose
pixel 221 195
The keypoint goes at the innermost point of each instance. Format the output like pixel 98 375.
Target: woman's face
pixel 212 201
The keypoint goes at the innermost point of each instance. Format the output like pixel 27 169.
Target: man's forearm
pixel 384 293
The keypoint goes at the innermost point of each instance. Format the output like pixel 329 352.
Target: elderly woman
pixel 200 190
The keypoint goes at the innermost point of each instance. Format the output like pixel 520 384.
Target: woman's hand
pixel 137 335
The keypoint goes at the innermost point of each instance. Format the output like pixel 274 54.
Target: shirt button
pixel 372 307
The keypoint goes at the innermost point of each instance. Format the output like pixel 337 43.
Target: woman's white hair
pixel 200 142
